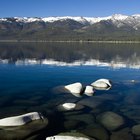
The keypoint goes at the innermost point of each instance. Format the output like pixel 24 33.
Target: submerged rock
pixel 75 89
pixel 101 84
pixel 86 118
pixel 136 129
pixel 96 131
pixel 123 134
pixel 89 90
pixel 132 99
pixel 72 124
pixel 66 138
pixel 70 136
pixel 111 120
pixel 91 102
pixel 20 120
pixel 69 106
pixel 31 129
pixel 109 97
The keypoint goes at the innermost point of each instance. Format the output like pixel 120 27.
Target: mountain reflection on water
pixel 71 54
pixel 38 88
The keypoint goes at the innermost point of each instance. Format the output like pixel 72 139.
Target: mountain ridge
pixel 117 26
pixel 80 19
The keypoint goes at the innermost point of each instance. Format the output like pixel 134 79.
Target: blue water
pixel 18 79
pixel 27 82
pixel 28 88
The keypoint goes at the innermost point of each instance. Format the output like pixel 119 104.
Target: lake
pixel 31 75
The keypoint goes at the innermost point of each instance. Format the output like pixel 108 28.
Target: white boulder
pixel 89 90
pixel 66 138
pixel 69 106
pixel 101 83
pixel 20 120
pixel 75 88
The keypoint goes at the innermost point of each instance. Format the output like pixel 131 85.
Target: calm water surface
pixel 29 87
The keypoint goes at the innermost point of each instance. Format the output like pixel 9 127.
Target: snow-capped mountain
pixel 117 19
pixel 83 20
pixel 90 20
pixel 68 25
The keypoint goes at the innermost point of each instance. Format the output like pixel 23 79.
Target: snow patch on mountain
pixel 27 19
pixel 136 15
pixel 3 19
pixel 95 20
pixel 118 17
pixel 53 19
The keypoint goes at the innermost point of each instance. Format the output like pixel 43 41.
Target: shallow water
pixel 32 87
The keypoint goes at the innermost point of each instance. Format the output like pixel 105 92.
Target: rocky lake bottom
pixel 112 114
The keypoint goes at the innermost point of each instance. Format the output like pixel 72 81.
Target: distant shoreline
pixel 68 41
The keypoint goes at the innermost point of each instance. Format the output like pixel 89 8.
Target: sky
pixel 47 8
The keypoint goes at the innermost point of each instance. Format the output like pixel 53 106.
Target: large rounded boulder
pixel 22 127
pixel 101 84
pixel 21 119
pixel 70 136
pixel 76 89
pixel 111 120
pixel 89 91
pixel 69 106
pixel 66 138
